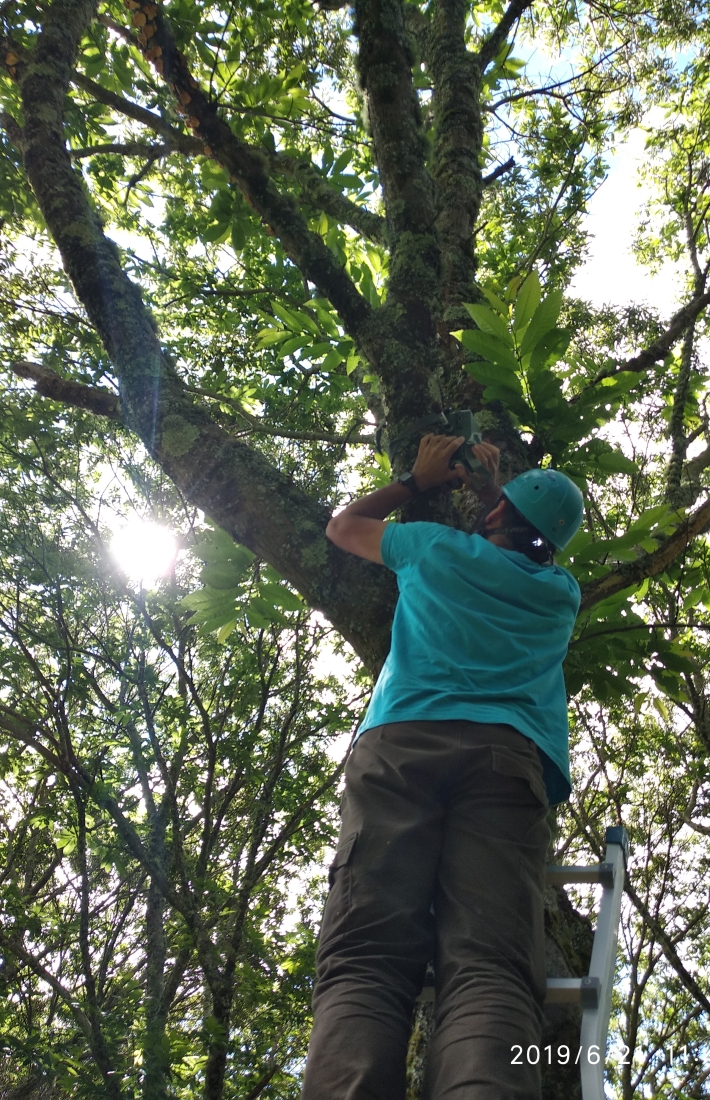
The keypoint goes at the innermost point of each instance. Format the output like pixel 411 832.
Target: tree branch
pixel 185 143
pixel 669 950
pixel 26 731
pixel 679 443
pixel 550 88
pixel 678 323
pixel 493 43
pixel 315 189
pixel 498 172
pixel 413 359
pixel 262 1082
pixel 98 1044
pixel 318 193
pixel 235 485
pixel 696 465
pixel 124 149
pixel 385 68
pixel 648 565
pixel 248 168
pixel 16 949
pixel 48 383
pixel 457 152
pixel 103 402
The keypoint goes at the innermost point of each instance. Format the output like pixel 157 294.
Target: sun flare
pixel 145 551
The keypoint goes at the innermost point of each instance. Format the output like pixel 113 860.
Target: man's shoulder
pixel 422 533
pixel 405 543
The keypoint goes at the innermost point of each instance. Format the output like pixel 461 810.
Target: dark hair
pixel 523 537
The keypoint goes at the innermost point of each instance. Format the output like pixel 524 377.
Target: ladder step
pixel 560 991
pixel 599 872
pixel 573 991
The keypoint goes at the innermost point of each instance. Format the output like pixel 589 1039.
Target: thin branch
pixel 256 425
pixel 262 1082
pixel 648 565
pixel 553 87
pixel 498 172
pixel 696 465
pixel 669 950
pixel 181 141
pixel 248 168
pixel 102 402
pixel 660 348
pixel 316 190
pixel 322 196
pixel 493 43
pixel 16 949
pixel 124 149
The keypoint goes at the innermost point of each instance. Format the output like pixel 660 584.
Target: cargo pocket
pixel 340 879
pixel 342 857
pixel 508 762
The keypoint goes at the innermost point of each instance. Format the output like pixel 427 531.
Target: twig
pixel 498 172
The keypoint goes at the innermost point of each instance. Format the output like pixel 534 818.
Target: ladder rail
pixel 595 1019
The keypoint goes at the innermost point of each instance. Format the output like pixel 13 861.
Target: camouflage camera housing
pixel 463 422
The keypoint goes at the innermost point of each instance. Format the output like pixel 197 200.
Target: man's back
pixel 480 633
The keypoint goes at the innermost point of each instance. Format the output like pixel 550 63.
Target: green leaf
pixel 512 402
pixel 546 391
pixel 332 361
pixel 218 232
pixel 495 301
pixel 261 613
pixel 293 320
pixel 294 344
pixel 616 462
pixel 543 319
pixel 527 301
pixel 216 546
pixel 549 350
pixel 490 347
pixel 223 576
pixel 492 374
pixel 224 631
pixel 278 596
pixel 491 323
pixel 269 336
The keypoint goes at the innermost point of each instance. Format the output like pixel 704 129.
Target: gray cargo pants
pixel 441 855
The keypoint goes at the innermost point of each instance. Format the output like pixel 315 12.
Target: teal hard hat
pixel 550 501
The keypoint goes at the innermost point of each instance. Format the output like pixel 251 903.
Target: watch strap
pixel 410 482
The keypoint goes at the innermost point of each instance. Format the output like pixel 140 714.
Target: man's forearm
pixel 360 527
pixel 379 504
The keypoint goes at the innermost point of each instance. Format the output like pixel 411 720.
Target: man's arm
pixel 359 527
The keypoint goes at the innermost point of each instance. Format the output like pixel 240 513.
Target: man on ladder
pixel 444 833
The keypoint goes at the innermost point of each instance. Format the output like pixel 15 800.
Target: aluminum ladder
pixel 593 993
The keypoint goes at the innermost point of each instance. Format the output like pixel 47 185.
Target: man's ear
pixel 496 516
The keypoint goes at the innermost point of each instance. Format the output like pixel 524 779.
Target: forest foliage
pixel 244 247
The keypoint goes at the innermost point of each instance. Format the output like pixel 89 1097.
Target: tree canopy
pixel 245 249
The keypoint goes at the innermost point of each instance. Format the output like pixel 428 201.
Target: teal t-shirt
pixel 479 633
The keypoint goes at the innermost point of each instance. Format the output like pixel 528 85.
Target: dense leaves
pixel 136 752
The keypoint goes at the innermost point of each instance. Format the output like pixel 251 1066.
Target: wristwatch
pixel 410 482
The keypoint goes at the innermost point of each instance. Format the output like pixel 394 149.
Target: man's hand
pixel 490 457
pixel 431 466
pixel 359 527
